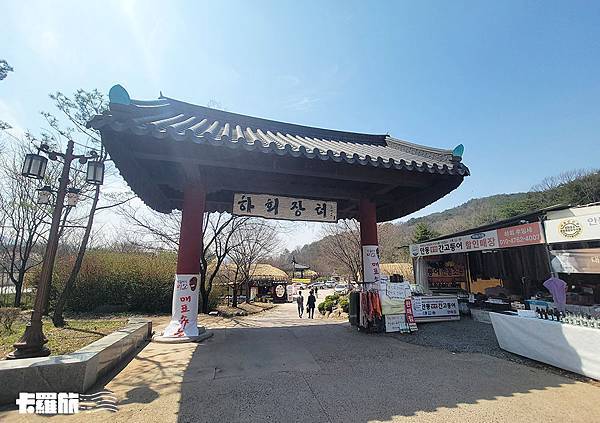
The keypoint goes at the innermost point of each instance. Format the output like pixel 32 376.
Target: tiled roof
pixel 179 121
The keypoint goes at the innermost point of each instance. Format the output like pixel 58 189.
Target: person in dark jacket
pixel 310 305
pixel 300 301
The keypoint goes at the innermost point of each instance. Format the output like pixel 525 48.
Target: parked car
pixel 341 289
pixel 330 284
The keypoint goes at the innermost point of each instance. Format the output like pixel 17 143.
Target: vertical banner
pixel 371 269
pixel 410 318
pixel 184 320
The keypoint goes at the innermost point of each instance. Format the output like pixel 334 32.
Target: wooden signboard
pixel 287 208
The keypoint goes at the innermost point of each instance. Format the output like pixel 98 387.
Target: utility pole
pixel 32 343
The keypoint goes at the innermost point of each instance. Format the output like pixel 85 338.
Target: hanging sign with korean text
pixel 513 236
pixel 287 208
pixel 460 244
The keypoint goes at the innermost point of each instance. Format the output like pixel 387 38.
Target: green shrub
pixel 344 304
pixel 326 305
pixel 141 282
pixel 8 316
pixel 332 297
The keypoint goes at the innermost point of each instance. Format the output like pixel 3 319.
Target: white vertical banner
pixel 184 317
pixel 371 269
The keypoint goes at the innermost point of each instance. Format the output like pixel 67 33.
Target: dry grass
pixel 77 334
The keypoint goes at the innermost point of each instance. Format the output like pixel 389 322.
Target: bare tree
pixel 24 221
pixel 253 241
pixel 151 230
pixel 341 242
pixel 155 230
pixel 220 239
pixel 78 110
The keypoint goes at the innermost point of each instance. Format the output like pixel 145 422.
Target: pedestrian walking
pixel 300 301
pixel 310 305
pixel 317 291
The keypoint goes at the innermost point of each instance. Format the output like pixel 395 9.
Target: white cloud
pixel 301 102
pixel 9 116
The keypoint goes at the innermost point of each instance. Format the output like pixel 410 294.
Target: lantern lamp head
pixel 34 166
pixel 44 195
pixel 72 197
pixel 95 172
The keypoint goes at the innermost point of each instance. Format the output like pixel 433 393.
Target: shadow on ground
pixel 332 373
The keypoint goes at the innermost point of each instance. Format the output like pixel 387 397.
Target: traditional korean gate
pixel 176 155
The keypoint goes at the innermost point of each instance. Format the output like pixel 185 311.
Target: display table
pixel 569 347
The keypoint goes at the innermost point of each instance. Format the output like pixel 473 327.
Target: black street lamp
pixel 31 344
pixel 34 166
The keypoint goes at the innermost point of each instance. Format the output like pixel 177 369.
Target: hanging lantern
pixel 95 173
pixel 44 195
pixel 34 166
pixel 72 197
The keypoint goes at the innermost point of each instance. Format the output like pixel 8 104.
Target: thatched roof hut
pixel 260 272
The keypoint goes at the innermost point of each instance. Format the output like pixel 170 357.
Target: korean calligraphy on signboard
pixel 442 274
pixel 185 308
pixel 371 270
pixel 514 236
pixel 287 208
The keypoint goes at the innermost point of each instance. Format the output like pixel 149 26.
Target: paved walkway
pixel 275 367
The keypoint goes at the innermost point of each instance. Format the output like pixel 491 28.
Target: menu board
pixel 434 308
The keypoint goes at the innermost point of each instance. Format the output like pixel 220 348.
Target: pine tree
pixel 423 233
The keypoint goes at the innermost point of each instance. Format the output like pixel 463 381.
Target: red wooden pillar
pixel 190 234
pixel 368 222
pixel 368 240
pixel 184 318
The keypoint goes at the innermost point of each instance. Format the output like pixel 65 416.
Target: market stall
pixel 487 267
pixel 384 307
pixel 567 346
pixel 562 325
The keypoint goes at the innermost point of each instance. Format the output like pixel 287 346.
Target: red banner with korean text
pixel 517 236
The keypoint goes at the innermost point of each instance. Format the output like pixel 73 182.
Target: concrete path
pixel 275 367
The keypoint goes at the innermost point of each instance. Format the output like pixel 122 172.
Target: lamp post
pixel 31 344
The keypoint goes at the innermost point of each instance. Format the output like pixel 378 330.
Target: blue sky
pixel 518 83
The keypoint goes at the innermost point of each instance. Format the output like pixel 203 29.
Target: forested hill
pixel 475 212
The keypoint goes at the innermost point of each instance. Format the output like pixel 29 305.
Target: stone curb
pixel 74 372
